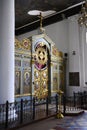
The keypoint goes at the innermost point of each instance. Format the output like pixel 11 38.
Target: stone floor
pixel 78 122
pixel 72 123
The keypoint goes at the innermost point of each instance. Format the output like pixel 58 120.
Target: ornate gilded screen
pixel 22 67
pixel 41 69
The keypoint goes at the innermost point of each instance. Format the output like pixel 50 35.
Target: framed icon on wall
pixel 74 79
pixel 26 82
pixel 55 81
pixel 17 82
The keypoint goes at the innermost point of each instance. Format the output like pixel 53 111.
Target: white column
pixel 6 51
pixel 74 58
pixel 82 60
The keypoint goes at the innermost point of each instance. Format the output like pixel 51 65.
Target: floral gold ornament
pixel 55 51
pixel 42 44
pixel 17 44
pixel 40 85
pixel 41 56
pixel 37 84
pixel 36 73
pixel 41 93
pixel 44 84
pixel 26 44
pixel 44 74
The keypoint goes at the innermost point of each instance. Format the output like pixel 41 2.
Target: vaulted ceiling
pixel 25 22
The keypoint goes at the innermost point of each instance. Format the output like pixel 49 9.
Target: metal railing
pixel 27 111
pixel 81 99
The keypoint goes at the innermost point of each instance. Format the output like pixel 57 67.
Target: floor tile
pixel 73 123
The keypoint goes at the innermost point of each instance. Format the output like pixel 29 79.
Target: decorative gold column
pixel 59 115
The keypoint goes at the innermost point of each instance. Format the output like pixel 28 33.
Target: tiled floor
pixel 72 123
pixel 67 123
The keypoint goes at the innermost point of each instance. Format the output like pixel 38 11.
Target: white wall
pixel 58 32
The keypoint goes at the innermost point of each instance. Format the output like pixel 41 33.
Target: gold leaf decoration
pixel 17 44
pixel 26 44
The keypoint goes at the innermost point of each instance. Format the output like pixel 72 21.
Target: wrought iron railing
pixel 81 99
pixel 27 111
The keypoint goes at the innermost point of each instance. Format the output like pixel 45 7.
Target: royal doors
pixel 41 68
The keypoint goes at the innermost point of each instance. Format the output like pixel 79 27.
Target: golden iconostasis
pixel 38 67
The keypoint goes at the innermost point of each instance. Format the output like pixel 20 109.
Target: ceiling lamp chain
pixel 42 30
pixel 41 20
pixel 83 15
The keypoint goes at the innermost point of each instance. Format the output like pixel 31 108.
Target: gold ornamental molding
pixel 23 95
pixel 24 44
pixel 17 43
pixel 54 91
pixel 40 85
pixel 60 54
pixel 56 53
pixel 41 56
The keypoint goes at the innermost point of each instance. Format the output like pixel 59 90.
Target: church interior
pixel 43 73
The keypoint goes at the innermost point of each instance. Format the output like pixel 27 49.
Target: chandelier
pixel 83 15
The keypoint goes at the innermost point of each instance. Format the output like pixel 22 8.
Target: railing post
pixel 6 122
pixel 64 104
pixel 21 112
pixel 74 99
pixel 84 98
pixel 33 108
pixel 81 100
pixel 47 106
pixel 56 97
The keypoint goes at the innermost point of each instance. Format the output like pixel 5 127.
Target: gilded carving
pixel 41 70
pixel 60 54
pixel 17 43
pixel 40 85
pixel 36 74
pixel 39 62
pixel 26 44
pixel 54 51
